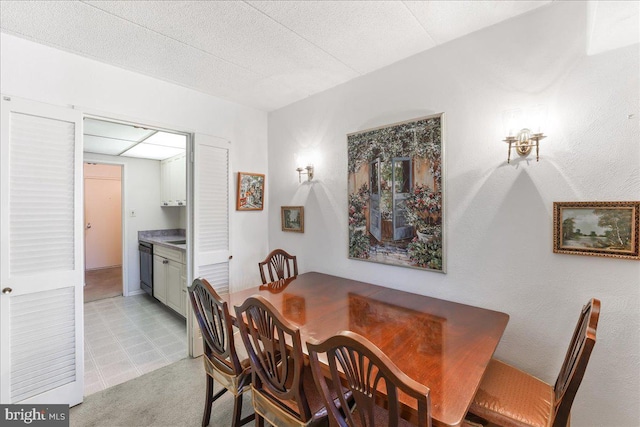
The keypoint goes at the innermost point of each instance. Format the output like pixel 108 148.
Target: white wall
pixel 498 216
pixel 41 73
pixel 141 193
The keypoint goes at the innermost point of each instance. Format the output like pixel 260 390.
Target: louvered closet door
pixel 211 217
pixel 41 265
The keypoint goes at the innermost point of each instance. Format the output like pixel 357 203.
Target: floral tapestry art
pixel 395 194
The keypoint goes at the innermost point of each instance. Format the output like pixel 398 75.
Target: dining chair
pixel 279 264
pixel 367 372
pixel 508 396
pixel 282 387
pixel 221 352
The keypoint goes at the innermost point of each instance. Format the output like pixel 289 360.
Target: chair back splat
pixel 366 372
pixel 280 265
pixel 275 351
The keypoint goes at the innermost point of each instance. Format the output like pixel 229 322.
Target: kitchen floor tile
pixel 127 337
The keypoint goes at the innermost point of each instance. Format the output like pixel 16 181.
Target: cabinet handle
pixel 7 291
pixel 165 261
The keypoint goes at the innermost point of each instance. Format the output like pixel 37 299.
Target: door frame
pixel 189 150
pixel 123 211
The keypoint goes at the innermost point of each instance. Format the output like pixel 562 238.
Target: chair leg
pixel 237 411
pixel 208 402
pixel 259 421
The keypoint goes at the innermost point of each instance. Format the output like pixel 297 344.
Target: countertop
pixel 164 237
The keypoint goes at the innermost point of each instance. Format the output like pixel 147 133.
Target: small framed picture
pixel 607 229
pixel 292 218
pixel 250 193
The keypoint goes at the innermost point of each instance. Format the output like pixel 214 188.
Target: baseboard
pixel 136 292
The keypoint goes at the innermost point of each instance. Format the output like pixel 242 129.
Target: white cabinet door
pixel 183 281
pixel 160 279
pixel 180 177
pixel 173 275
pixel 165 194
pixel 173 183
pixel 41 256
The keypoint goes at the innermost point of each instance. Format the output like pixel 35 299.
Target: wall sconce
pixel 524 143
pixel 525 139
pixel 309 173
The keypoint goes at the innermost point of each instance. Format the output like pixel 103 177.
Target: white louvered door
pixel 211 217
pixel 41 264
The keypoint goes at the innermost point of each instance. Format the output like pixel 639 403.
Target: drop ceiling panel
pixel 258 53
pixel 448 20
pixel 115 130
pixel 102 145
pixel 364 35
pixel 240 34
pixel 91 32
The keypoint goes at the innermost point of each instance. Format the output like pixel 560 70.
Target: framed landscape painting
pixel 395 194
pixel 292 218
pixel 607 229
pixel 250 193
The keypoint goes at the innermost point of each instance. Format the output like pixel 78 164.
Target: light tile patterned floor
pixel 128 337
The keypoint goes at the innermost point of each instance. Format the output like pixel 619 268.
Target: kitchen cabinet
pixel 169 278
pixel 173 181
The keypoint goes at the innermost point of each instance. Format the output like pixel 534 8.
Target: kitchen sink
pixel 177 242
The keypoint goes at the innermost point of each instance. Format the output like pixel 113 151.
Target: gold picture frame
pixel 292 218
pixel 608 229
pixel 250 192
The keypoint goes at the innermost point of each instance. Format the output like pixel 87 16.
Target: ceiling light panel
pixel 167 139
pixel 151 151
pixel 110 146
pixel 115 130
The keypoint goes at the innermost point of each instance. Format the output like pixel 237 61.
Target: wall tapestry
pixel 396 195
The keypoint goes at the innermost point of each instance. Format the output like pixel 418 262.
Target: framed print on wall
pixel 608 229
pixel 292 218
pixel 250 193
pixel 395 194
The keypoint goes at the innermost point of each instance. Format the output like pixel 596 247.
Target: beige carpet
pixel 172 396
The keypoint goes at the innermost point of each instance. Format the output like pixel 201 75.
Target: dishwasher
pixel 146 267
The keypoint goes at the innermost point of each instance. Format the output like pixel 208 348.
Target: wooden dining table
pixel 441 344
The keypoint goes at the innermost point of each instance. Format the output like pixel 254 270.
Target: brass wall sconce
pixel 308 173
pixel 518 125
pixel 524 143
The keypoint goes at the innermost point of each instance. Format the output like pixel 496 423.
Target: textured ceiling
pixel 265 54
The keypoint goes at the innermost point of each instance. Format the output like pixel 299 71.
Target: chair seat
pixel 510 397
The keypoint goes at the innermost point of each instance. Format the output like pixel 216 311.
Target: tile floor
pixel 128 337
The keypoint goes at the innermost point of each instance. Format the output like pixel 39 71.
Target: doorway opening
pixel 136 330
pixel 103 231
